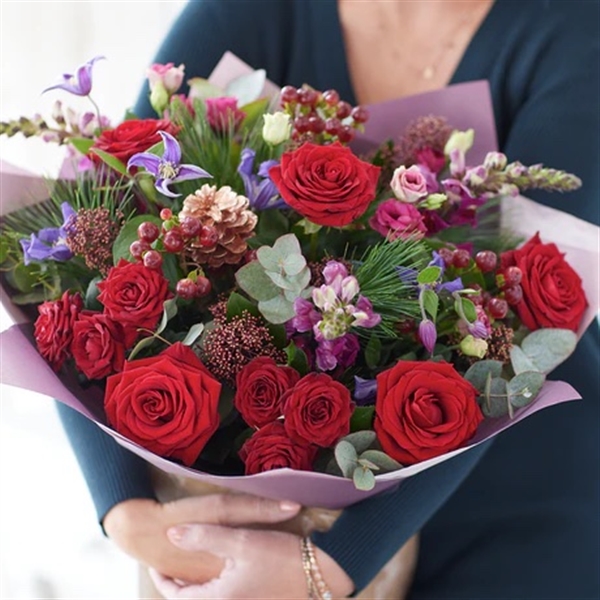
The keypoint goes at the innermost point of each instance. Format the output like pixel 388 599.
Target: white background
pixel 50 543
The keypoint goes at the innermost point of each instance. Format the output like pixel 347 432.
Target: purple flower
pixel 262 193
pixel 49 243
pixel 363 314
pixel 167 169
pixel 394 219
pixel 428 334
pixel 80 83
pixel 341 352
pixel 223 112
pixel 306 315
pixel 365 390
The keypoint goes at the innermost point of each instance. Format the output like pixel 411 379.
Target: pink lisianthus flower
pixel 394 219
pixel 170 76
pixel 434 160
pixel 409 185
pixel 220 112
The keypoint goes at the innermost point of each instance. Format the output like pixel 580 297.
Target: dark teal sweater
pixel 519 519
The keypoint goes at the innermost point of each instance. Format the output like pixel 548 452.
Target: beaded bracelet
pixel 317 588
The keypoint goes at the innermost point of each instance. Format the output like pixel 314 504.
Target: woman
pixel 524 524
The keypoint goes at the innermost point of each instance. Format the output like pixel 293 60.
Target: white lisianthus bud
pixel 277 128
pixel 434 201
pixel 159 98
pixel 472 346
pixel 495 161
pixel 461 140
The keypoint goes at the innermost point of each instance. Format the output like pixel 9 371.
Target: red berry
pixel 148 232
pixel 307 96
pixel 498 308
pixel 203 287
pixel 190 226
pixel 186 289
pixel 166 214
pixel 250 255
pixel 513 294
pixel 289 94
pixel 446 254
pixel 208 237
pixel 332 126
pixel 331 97
pixel 486 260
pixel 301 124
pixel 346 134
pixel 137 249
pixel 360 114
pixel 153 259
pixel 512 276
pixel 343 110
pixel 173 241
pixel 316 124
pixel 461 258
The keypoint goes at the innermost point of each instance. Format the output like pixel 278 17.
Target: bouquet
pixel 257 290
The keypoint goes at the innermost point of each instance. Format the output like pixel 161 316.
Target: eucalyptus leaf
pixel 346 457
pixel 363 479
pixel 381 459
pixel 519 361
pixel 255 282
pixel 286 245
pixel 143 343
pixel 193 334
pixel 477 373
pixel 429 275
pixel 523 388
pixel 276 310
pixel 431 303
pixel 367 464
pixel 293 264
pixel 270 259
pixel 361 440
pixel 495 403
pixel 548 348
pixel 280 280
pixel 169 311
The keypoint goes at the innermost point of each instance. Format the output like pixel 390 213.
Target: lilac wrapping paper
pixel 24 368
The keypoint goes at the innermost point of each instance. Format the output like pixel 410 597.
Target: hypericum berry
pixel 186 289
pixel 307 96
pixel 208 237
pixel 301 124
pixel 343 110
pixel 190 226
pixel 137 249
pixel 332 126
pixel 173 241
pixel 316 124
pixel 331 97
pixel 250 255
pixel 152 259
pixel 289 94
pixel 360 114
pixel 446 254
pixel 512 276
pixel 203 287
pixel 166 214
pixel 148 232
pixel 486 260
pixel 497 307
pixel 461 258
pixel 346 134
pixel 513 294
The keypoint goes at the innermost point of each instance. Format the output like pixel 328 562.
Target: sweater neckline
pixel 332 67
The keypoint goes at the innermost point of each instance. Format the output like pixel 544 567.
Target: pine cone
pixel 228 213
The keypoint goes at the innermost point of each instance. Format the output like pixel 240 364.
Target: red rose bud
pixel 553 294
pixel 326 184
pixel 423 410
pixel 53 329
pixel 167 403
pixel 260 387
pixel 317 410
pixel 271 448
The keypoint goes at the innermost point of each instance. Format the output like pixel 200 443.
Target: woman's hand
pixel 139 527
pixel 258 564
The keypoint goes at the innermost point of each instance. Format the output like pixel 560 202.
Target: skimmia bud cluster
pixel 321 117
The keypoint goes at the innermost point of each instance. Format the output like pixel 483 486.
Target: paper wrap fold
pixel 23 367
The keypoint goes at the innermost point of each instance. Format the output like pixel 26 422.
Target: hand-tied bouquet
pixel 249 294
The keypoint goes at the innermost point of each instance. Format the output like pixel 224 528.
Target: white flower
pixel 277 128
pixel 461 140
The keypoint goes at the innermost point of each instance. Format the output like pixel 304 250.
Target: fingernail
pixel 178 533
pixel 289 506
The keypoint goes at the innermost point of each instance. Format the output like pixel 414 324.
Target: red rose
pixel 271 448
pixel 98 345
pixel 53 329
pixel 326 184
pixel 552 292
pixel 167 403
pixel 260 386
pixel 133 295
pixel 424 409
pixel 317 410
pixel 131 137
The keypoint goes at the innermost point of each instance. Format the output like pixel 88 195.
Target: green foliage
pixel 362 418
pixel 128 235
pixel 112 161
pixel 548 348
pixel 429 275
pixel 296 358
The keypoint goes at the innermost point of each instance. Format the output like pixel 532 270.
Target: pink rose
pixel 409 185
pixel 220 112
pixel 394 219
pixel 169 75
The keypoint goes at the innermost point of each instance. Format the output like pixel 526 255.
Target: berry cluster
pixel 507 280
pixel 174 237
pixel 321 116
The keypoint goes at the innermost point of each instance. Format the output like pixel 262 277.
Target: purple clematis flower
pixel 167 168
pixel 262 193
pixel 49 243
pixel 80 83
pixel 365 390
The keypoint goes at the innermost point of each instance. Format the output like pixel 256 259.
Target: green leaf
pixel 278 334
pixel 468 308
pixel 286 245
pixel 247 88
pixel 523 388
pixel 361 440
pixel 171 269
pixel 202 88
pixel 91 295
pixel 24 277
pixel 520 361
pixel 193 334
pixel 169 311
pixel 272 223
pixel 4 249
pixel 296 358
pixel 293 264
pixel 277 310
pixel 429 275
pixel 128 235
pixel 431 303
pixel 362 418
pixel 112 161
pixel 478 372
pixel 363 479
pixel 381 459
pixel 82 145
pixel 237 304
pixel 495 403
pixel 309 227
pixel 548 348
pixel 254 112
pixel 373 352
pixel 346 457
pixel 143 343
pixel 254 281
pixel 36 297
